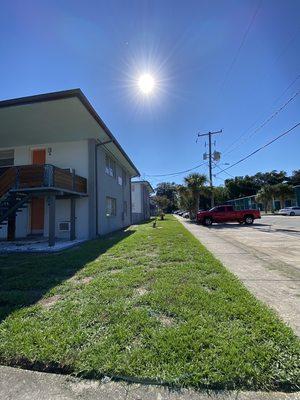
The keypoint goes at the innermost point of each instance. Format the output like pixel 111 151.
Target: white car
pixel 289 211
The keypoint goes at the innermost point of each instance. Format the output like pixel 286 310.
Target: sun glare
pixel 146 83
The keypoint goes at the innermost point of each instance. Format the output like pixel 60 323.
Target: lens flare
pixel 146 83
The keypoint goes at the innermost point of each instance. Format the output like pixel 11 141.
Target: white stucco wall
pixel 63 155
pixel 109 186
pixel 136 197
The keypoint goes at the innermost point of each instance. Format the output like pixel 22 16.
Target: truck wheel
pixel 249 220
pixel 207 221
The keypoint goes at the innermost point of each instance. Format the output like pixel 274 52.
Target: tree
pixel 295 178
pixel 269 178
pixel 265 196
pixel 241 186
pixel 162 203
pixel 186 201
pixel 249 185
pixel 283 191
pixel 169 190
pixel 221 194
pixel 195 183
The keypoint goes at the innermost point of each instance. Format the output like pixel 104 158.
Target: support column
pixel 72 218
pixel 11 227
pixel 51 203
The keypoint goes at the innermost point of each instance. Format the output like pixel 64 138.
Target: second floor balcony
pixel 41 179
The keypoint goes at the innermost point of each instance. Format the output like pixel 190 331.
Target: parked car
pixel 289 211
pixel 181 213
pixel 227 214
pixel 186 215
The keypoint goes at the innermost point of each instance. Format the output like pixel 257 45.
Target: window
pixel 7 158
pixel 125 208
pixel 220 209
pixel 111 207
pixel 110 166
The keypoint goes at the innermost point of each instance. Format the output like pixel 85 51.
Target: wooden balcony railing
pixel 41 176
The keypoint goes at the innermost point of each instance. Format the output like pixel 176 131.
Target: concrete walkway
pixel 17 384
pixel 267 262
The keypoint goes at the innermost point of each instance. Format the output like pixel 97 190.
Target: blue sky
pixel 203 82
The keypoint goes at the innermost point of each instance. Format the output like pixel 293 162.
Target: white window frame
pixel 111 206
pixel 110 166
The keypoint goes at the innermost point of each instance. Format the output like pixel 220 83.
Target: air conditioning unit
pixel 64 226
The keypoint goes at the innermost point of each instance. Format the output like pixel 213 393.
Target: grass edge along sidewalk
pixel 144 305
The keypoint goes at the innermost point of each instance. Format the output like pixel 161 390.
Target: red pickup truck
pixel 227 214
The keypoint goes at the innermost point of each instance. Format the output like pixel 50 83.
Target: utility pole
pixel 209 134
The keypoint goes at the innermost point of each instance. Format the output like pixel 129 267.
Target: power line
pixel 178 173
pixel 286 89
pixel 225 172
pixel 230 149
pixel 241 44
pixel 260 148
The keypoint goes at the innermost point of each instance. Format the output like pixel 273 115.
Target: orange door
pixel 39 156
pixel 38 204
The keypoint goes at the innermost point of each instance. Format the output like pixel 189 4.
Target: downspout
pixel 96 187
pixel 130 200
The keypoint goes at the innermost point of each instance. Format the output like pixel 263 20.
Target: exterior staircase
pixel 11 201
pixel 10 204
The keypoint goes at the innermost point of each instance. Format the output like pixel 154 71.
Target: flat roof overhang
pixel 56 117
pixel 147 184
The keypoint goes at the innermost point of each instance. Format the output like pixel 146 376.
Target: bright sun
pixel 146 83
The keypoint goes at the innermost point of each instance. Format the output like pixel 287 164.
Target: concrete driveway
pixel 17 384
pixel 265 257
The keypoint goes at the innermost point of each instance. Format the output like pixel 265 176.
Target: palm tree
pixel 265 195
pixel 284 191
pixel 186 201
pixel 195 184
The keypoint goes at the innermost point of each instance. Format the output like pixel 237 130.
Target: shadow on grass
pixel 26 278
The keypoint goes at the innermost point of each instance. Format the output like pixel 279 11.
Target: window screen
pixel 111 206
pixel 6 158
pixel 110 166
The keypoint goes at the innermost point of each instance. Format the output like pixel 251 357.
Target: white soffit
pixel 55 120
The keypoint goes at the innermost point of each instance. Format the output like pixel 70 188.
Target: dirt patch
pixel 166 321
pixel 81 281
pixel 114 271
pixel 50 301
pixel 86 280
pixel 208 289
pixel 141 291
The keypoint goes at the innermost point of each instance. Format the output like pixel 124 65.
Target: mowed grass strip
pixel 144 304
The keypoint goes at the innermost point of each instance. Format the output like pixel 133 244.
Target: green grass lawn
pixel 147 304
